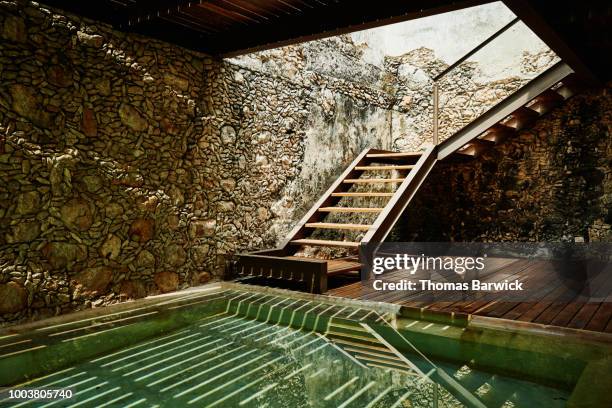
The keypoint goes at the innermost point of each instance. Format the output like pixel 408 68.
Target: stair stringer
pixel 402 197
pixel 509 105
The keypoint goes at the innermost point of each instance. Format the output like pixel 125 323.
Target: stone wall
pixel 550 182
pixel 129 166
pixel 100 198
pixel 402 84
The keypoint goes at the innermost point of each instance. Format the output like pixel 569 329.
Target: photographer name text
pixel 427 284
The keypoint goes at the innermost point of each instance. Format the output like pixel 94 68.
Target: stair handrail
pixel 439 76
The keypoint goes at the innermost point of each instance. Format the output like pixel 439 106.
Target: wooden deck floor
pixel 555 306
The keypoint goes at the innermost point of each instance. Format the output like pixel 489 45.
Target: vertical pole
pixel 435 113
pixel 436 395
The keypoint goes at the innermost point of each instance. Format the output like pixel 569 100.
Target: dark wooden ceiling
pixel 579 32
pixel 233 27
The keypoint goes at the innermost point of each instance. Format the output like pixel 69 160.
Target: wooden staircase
pixel 358 192
pixel 372 168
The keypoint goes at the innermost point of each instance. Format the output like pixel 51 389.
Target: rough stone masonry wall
pixel 402 84
pixel 128 165
pixel 548 183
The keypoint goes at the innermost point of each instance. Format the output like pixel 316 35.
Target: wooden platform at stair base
pixel 310 273
pixel 342 266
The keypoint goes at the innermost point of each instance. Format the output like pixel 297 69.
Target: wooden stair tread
pixel 546 101
pixel 565 92
pixel 350 209
pixel 492 137
pixel 393 155
pixel 497 133
pixel 386 167
pixel 374 180
pixel 362 194
pixel 482 142
pixel 470 149
pixel 572 81
pixel 332 225
pixel 548 95
pixel 525 111
pixel 322 242
pixel 520 118
pixel 500 127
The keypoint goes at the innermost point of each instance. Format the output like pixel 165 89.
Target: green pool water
pixel 239 349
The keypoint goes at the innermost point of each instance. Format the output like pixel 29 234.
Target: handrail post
pixel 435 113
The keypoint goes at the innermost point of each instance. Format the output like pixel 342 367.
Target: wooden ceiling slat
pixel 270 7
pixel 146 10
pixel 304 3
pixel 175 19
pixel 247 6
pixel 186 15
pixel 212 19
pixel 232 15
pixel 185 18
pixel 273 5
pixel 288 4
pixel 124 3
